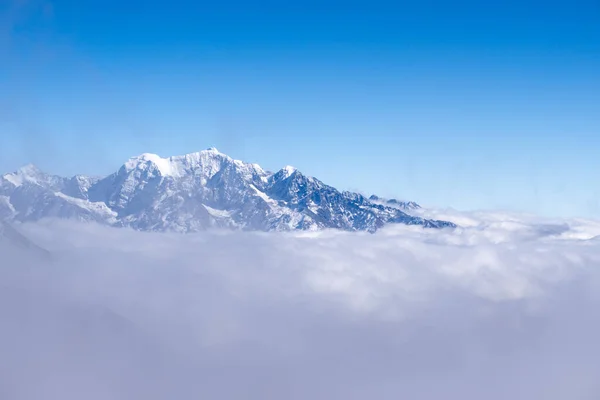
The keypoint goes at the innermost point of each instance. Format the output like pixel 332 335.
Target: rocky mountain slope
pixel 193 192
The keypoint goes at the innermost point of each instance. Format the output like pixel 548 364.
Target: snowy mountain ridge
pixel 403 205
pixel 197 191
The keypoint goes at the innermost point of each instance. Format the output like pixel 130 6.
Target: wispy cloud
pixel 502 308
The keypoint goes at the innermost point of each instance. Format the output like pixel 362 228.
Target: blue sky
pixel 464 104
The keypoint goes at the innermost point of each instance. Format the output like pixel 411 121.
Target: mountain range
pixel 197 191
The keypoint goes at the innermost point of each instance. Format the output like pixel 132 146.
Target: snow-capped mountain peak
pixel 288 170
pixel 30 175
pixel 206 162
pixel 401 204
pixel 196 191
pixel 149 160
pixel 27 173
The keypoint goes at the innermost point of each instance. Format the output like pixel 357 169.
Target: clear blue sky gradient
pixel 475 104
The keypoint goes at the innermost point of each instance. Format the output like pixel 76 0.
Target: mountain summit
pixel 194 192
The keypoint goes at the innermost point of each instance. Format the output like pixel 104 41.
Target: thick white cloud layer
pixel 503 308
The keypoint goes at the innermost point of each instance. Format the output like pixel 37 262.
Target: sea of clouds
pixel 504 307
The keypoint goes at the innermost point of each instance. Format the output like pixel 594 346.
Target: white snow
pixel 262 195
pixel 288 170
pixel 27 173
pixel 164 165
pixel 218 213
pixel 96 207
pixel 205 164
pixel 5 202
pixel 15 179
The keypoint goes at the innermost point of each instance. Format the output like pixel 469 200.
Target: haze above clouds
pixel 503 308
